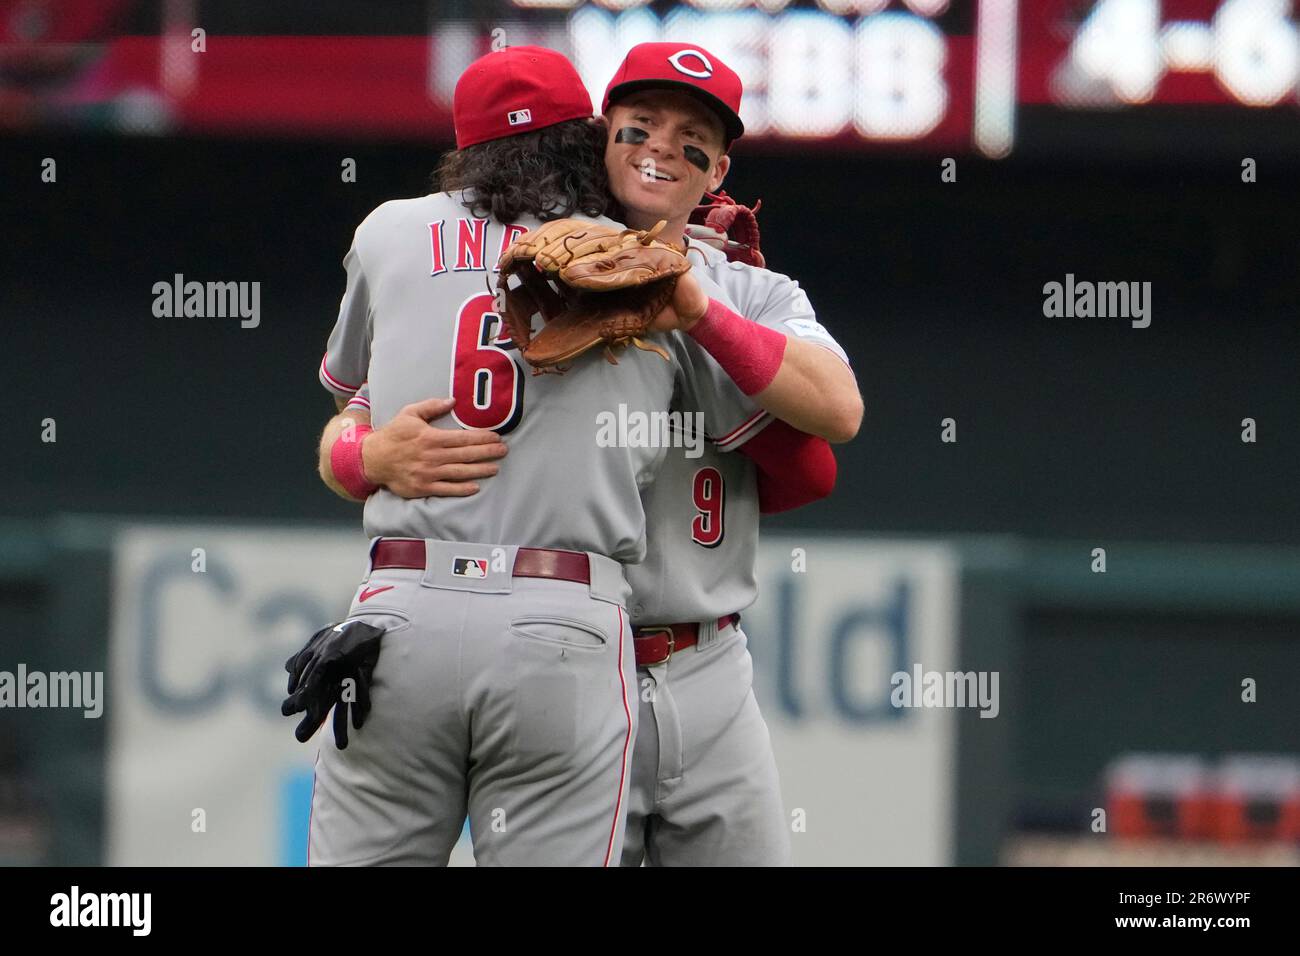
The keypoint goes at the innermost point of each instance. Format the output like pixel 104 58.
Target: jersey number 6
pixel 486 382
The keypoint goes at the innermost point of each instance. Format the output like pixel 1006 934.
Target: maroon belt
pixel 655 644
pixel 529 562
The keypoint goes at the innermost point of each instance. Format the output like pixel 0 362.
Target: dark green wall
pixel 1067 427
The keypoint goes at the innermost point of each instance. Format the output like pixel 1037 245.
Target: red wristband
pixel 750 353
pixel 345 461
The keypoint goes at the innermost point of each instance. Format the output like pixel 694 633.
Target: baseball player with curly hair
pixel 704 783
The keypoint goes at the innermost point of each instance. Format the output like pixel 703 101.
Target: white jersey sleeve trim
pixel 743 432
pixel 332 384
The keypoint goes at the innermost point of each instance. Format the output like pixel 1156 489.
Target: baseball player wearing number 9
pixel 704 783
pixel 502 685
pixel 705 788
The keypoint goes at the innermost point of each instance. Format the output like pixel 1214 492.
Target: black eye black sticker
pixel 633 135
pixel 696 157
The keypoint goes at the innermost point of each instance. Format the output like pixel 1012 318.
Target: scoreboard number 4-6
pixel 1251 46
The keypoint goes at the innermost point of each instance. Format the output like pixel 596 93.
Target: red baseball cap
pixel 691 68
pixel 516 90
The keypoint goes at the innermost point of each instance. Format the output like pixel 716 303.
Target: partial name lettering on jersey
pixel 461 245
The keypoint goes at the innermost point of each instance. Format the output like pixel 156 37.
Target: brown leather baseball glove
pixel 592 285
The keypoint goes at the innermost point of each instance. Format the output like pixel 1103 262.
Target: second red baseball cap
pixel 516 90
pixel 692 68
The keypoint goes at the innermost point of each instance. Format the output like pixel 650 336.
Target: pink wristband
pixel 345 461
pixel 750 353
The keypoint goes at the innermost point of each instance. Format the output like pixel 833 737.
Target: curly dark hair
pixel 548 173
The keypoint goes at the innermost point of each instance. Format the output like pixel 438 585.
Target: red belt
pixel 529 562
pixel 655 644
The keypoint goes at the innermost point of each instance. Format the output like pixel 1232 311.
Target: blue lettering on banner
pixel 786 616
pixel 891 619
pixel 266 677
pixel 778 623
pixel 163 571
pixel 262 678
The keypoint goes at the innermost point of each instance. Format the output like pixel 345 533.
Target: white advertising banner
pixel 864 782
pixel 204 771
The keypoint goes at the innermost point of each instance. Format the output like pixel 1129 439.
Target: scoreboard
pixel 937 74
pixel 941 76
pixel 829 71
pixel 1131 52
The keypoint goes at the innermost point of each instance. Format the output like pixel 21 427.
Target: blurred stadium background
pixel 174 534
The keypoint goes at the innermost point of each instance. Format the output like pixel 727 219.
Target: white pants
pixel 705 790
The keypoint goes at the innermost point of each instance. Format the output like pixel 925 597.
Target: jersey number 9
pixel 710 498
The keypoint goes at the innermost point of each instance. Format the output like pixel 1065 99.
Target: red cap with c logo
pixel 681 65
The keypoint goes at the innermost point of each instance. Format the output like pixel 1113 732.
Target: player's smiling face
pixel 665 151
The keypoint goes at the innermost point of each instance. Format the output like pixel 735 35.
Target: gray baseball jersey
pixel 705 789
pixel 702 511
pixel 591 432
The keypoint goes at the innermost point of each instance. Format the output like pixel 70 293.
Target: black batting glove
pixel 333 655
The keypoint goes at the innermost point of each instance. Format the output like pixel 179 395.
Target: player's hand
pixel 688 305
pixel 414 460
